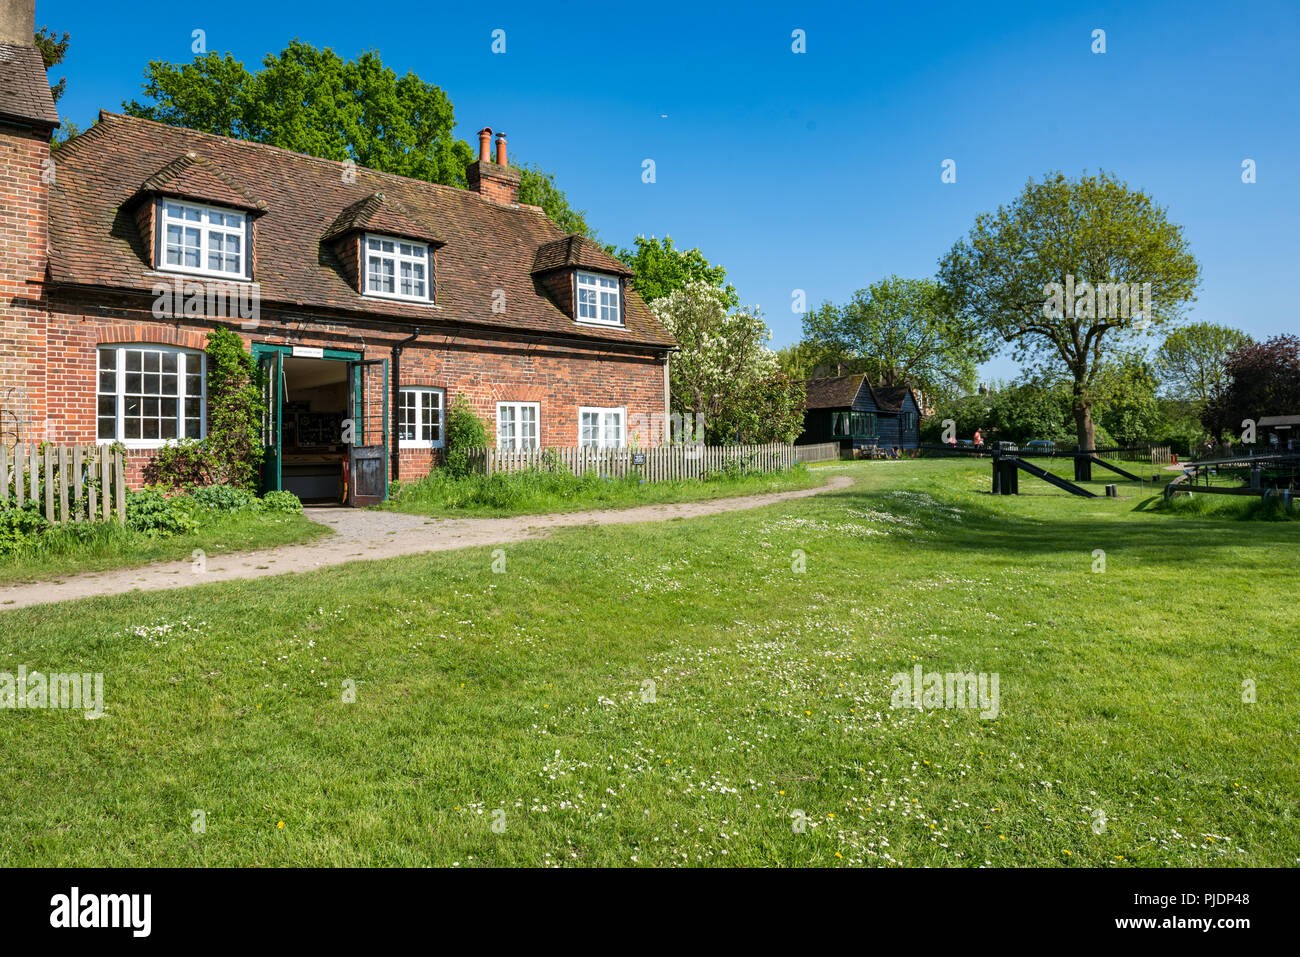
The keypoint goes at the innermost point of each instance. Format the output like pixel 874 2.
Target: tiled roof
pixel 578 251
pixel 489 246
pixel 378 214
pixel 833 393
pixel 24 87
pixel 890 397
pixel 192 176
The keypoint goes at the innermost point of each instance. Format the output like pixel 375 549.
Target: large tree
pixel 1055 274
pixel 900 332
pixel 313 101
pixel 1193 364
pixel 723 369
pixel 661 268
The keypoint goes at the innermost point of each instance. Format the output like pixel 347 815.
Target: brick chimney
pixel 493 180
pixel 18 22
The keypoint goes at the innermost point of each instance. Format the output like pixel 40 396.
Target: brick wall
pixel 559 378
pixel 24 217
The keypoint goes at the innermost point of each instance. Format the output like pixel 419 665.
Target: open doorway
pixel 313 455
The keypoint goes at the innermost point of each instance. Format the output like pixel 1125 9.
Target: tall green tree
pixel 1193 361
pixel 661 268
pixel 313 101
pixel 1011 274
pixel 900 332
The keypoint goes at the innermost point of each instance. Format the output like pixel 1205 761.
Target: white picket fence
pixel 662 463
pixel 78 483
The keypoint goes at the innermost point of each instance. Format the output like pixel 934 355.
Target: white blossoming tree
pixel 724 369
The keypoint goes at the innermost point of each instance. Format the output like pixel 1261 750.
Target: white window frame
pixel 608 299
pixel 398 259
pixel 602 414
pixel 184 358
pixel 421 394
pixel 515 444
pixel 207 230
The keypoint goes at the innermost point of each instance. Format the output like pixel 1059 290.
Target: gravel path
pixel 363 535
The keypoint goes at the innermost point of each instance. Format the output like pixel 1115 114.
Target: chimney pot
pixel 501 150
pixel 18 22
pixel 485 145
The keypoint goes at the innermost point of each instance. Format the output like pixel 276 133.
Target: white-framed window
pixel 202 239
pixel 421 418
pixel 598 299
pixel 601 428
pixel 150 395
pixel 519 425
pixel 397 269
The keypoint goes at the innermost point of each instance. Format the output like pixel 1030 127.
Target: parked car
pixel 1007 447
pixel 1041 446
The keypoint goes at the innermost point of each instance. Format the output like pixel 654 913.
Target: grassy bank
pixel 108 545
pixel 535 492
pixel 713 691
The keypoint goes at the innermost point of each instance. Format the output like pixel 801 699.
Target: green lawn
pixel 117 547
pixel 536 492
pixel 525 692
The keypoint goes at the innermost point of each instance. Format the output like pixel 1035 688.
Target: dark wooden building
pixel 850 410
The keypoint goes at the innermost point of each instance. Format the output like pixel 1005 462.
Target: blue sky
pixel 821 171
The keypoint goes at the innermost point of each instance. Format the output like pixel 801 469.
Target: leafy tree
pixel 810 360
pixel 1092 229
pixel 537 188
pixel 1264 379
pixel 723 369
pixel 1127 398
pixel 661 268
pixel 313 101
pixel 900 332
pixel 1193 363
pixel 768 410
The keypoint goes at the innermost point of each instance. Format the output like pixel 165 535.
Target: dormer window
pixel 397 269
pixel 206 240
pixel 599 299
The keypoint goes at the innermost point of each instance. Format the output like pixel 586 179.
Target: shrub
pixel 20 527
pixel 151 512
pixel 281 502
pixel 224 498
pixel 465 431
pixel 187 462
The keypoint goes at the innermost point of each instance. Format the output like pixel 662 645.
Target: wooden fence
pixel 822 452
pixel 656 464
pixel 81 483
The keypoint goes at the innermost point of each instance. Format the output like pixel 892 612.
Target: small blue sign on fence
pixel 638 458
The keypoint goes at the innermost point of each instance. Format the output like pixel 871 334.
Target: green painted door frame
pixel 270 359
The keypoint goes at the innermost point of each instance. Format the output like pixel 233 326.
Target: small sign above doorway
pixel 308 352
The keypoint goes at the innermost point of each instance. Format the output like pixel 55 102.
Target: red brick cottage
pixel 370 300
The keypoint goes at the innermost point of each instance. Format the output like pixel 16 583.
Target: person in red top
pixel 978 438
